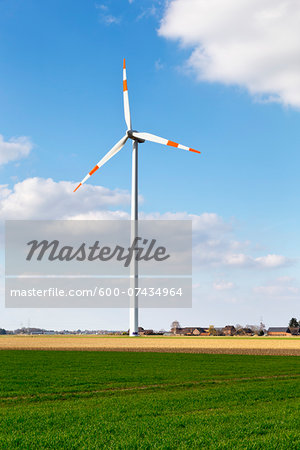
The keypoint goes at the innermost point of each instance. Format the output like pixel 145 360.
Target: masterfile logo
pixel 97 247
pixel 67 264
pixel 140 250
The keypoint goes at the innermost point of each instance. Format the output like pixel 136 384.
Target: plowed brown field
pixel 256 346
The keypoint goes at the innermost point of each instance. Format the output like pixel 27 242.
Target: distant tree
pixel 22 330
pixel 262 326
pixel 2 331
pixel 293 323
pixel 212 331
pixel 262 329
pixel 294 326
pixel 254 328
pixel 239 330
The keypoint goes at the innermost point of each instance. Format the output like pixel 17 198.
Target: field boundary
pixel 215 351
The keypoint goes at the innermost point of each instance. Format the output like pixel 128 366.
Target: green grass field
pixel 91 400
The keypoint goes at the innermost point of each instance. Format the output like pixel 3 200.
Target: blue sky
pixel 61 87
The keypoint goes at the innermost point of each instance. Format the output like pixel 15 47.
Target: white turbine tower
pixel 136 138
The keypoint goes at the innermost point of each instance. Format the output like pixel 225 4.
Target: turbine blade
pixel 159 140
pixel 126 98
pixel 116 148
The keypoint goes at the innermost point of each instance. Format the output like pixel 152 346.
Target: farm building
pixel 279 331
pixel 190 331
pixel 244 332
pixel 229 330
pixel 143 332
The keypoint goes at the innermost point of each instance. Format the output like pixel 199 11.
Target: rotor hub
pixel 131 136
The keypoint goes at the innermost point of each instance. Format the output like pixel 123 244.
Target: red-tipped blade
pixel 116 148
pixel 77 187
pixel 126 98
pixel 152 138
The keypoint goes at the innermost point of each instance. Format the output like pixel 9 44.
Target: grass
pixel 123 400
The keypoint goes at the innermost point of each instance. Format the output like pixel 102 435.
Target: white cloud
pixel 285 279
pixel 223 285
pixel 158 65
pixel 147 12
pixel 101 6
pixel 268 261
pixel 109 19
pixel 213 238
pixel 276 290
pixel 250 43
pixel 214 244
pixel 206 224
pixel 39 198
pixel 271 261
pixel 237 260
pixel 282 287
pixel 105 16
pixel 14 149
pixel 102 215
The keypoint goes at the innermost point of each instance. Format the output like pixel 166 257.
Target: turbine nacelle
pixel 130 135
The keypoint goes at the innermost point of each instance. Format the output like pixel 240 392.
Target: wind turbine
pixel 136 138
